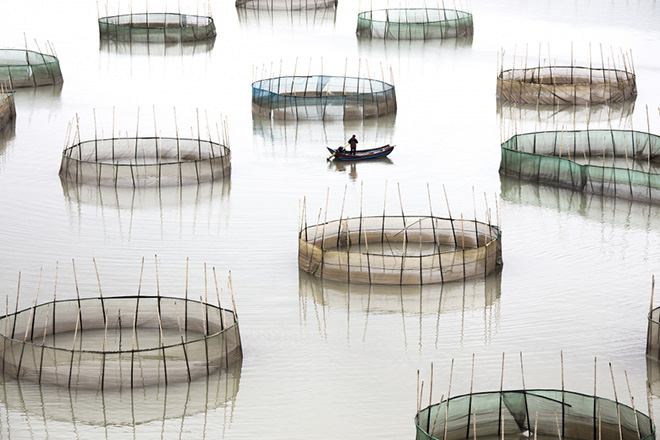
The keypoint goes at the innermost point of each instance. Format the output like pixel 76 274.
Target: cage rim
pixel 102 299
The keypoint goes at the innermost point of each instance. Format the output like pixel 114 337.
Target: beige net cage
pixel 399 249
pixel 568 83
pixel 542 413
pixel 157 28
pixel 27 68
pixel 119 342
pixel 322 97
pixel 282 5
pixel 414 23
pixel 7 107
pixel 618 163
pixel 146 161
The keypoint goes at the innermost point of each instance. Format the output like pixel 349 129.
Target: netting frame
pixel 477 250
pixel 278 98
pixel 128 27
pixel 459 27
pixel 285 5
pixel 39 69
pixel 220 342
pixel 521 158
pixel 81 162
pixel 566 415
pixel 653 334
pixel 566 85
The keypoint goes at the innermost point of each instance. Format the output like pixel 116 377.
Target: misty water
pixel 325 360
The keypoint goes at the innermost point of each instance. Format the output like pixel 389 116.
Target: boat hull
pixel 373 153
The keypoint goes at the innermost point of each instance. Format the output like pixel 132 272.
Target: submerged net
pixel 157 28
pixel 514 413
pixel 400 249
pixel 118 342
pixel 572 85
pixel 414 24
pixel 145 161
pixel 7 107
pixel 282 5
pixel 27 68
pixel 619 163
pixel 322 97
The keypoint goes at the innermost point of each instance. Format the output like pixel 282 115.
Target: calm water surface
pixel 327 360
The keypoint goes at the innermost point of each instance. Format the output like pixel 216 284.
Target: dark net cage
pixel 7 107
pixel 145 161
pixel 414 24
pixel 27 68
pixel 653 333
pixel 618 163
pixel 118 342
pixel 514 413
pixel 157 28
pixel 566 85
pixel 322 97
pixel 400 249
pixel 286 5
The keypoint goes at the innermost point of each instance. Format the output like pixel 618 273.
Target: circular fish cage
pixel 7 107
pixel 566 85
pixel 157 28
pixel 400 249
pixel 286 5
pixel 145 161
pixel 653 333
pixel 27 68
pixel 118 342
pixel 414 24
pixel 537 413
pixel 322 97
pixel 617 163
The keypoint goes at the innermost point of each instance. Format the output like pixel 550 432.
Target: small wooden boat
pixel 371 153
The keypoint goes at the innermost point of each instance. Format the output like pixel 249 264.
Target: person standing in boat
pixel 353 143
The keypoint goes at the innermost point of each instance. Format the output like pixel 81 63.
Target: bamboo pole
pixel 451 374
pixel 467 434
pixel 183 343
pixel 206 335
pixel 500 425
pixel 73 348
pixel 616 399
pixel 43 345
pixel 632 403
pixel 98 279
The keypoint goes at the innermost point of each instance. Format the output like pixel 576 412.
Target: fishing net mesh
pixel 320 97
pixel 399 250
pixel 7 108
pixel 574 85
pixel 26 68
pixel 578 416
pixel 157 28
pixel 414 24
pixel 148 161
pixel 620 163
pixel 285 5
pixel 69 343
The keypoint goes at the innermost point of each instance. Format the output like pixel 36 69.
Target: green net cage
pixel 282 5
pixel 322 97
pixel 400 249
pixel 539 413
pixel 118 342
pixel 618 163
pixel 157 28
pixel 7 107
pixel 27 68
pixel 414 24
pixel 566 85
pixel 653 334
